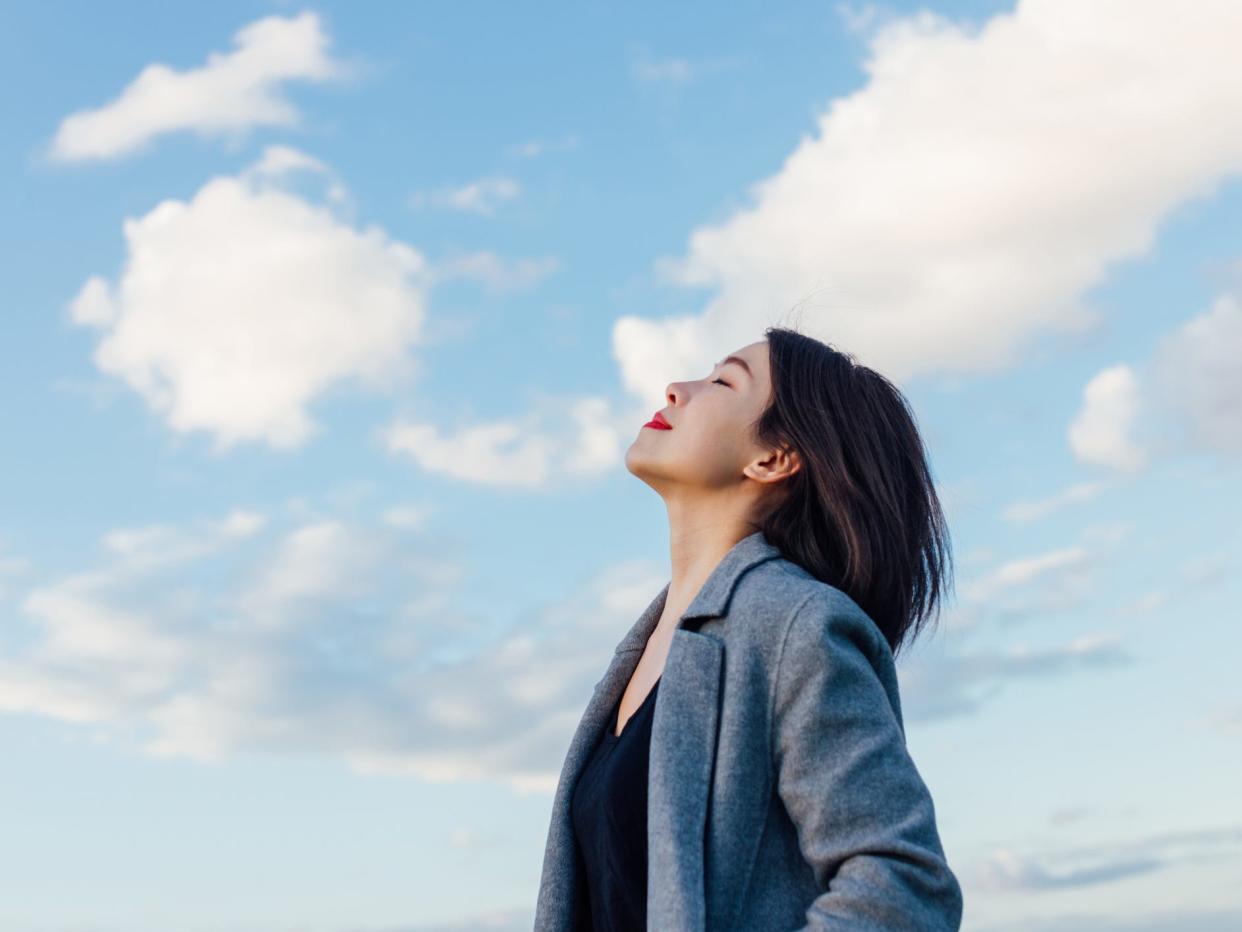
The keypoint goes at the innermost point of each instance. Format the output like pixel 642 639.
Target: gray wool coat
pixel 781 795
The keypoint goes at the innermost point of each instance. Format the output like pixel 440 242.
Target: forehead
pixel 755 354
pixel 752 351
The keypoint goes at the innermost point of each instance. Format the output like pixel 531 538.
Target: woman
pixel 742 764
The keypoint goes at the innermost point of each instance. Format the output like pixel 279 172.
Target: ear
pixel 777 466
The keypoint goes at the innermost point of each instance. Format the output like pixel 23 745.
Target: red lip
pixel 658 422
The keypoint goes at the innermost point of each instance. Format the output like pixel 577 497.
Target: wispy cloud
pixel 862 19
pixel 1107 918
pixel 497 273
pixel 533 148
pixel 557 440
pixel 314 636
pixel 1009 870
pixel 1226 721
pixel 677 70
pixel 1199 381
pixel 483 196
pixel 1060 563
pixel 945 685
pixel 1022 512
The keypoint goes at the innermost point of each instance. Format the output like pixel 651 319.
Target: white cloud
pixel 497 273
pixel 862 20
pixel 960 204
pixel 1102 434
pixel 950 682
pixel 241 523
pixel 674 70
pixel 1023 511
pixel 231 94
pixel 1199 378
pixel 322 638
pixel 319 561
pixel 1228 721
pixel 1030 588
pixel 556 441
pixel 93 305
pixel 157 546
pixel 481 197
pixel 279 160
pixel 407 516
pixel 1060 564
pixel 13 565
pixel 1045 867
pixel 533 148
pixel 1185 400
pixel 239 307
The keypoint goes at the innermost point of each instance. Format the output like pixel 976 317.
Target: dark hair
pixel 861 514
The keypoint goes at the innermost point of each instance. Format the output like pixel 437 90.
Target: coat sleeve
pixel 864 817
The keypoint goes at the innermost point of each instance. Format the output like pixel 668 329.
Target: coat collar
pixel 712 599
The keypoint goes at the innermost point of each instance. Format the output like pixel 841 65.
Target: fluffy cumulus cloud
pixel 1102 434
pixel 1182 399
pixel 237 308
pixel 312 637
pixel 229 95
pixel 960 203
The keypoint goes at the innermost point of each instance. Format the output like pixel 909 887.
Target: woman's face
pixel 710 446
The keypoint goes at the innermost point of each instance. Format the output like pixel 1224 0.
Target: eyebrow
pixel 740 361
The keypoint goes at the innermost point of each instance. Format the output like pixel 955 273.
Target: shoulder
pixel 799 609
pixel 782 617
pixel 830 648
pixel 811 644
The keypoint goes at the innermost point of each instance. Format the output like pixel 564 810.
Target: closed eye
pixel 722 382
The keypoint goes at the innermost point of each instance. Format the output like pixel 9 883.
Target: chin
pixel 634 460
pixel 630 458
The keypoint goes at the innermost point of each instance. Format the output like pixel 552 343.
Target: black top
pixel 609 811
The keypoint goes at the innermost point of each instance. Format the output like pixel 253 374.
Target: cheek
pixel 714 435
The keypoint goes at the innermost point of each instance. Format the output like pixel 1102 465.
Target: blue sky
pixel 327 330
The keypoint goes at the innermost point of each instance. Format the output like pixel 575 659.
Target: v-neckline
pixel 633 715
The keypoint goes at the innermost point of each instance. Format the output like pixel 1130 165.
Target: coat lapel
pixel 684 728
pixel 683 749
pixel 559 888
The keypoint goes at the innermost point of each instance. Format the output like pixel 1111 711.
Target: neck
pixel 696 547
